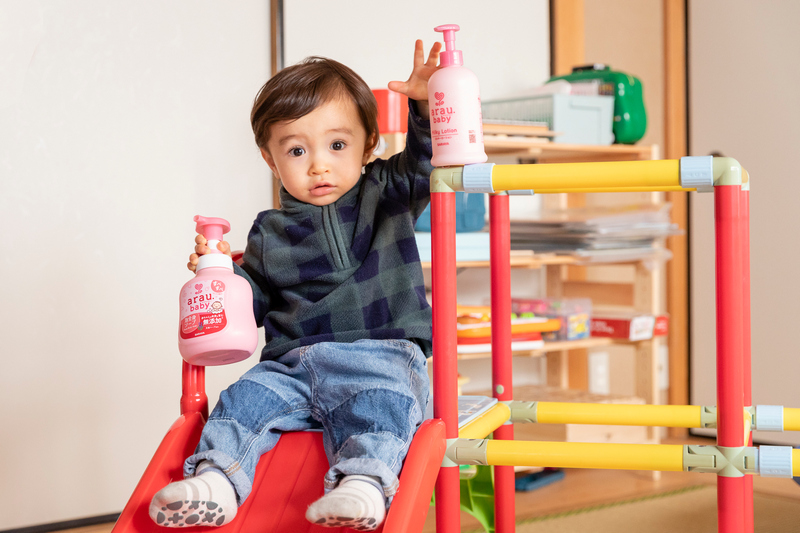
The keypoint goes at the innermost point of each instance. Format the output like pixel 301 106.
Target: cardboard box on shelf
pixel 630 326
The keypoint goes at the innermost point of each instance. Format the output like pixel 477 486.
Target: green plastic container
pixel 630 117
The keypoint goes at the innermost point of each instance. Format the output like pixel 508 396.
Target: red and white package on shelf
pixel 630 326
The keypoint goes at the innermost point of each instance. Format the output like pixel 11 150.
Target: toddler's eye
pixel 337 145
pixel 296 151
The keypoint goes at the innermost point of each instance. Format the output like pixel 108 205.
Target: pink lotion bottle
pixel 217 325
pixel 455 107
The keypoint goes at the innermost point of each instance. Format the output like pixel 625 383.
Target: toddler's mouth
pixel 322 188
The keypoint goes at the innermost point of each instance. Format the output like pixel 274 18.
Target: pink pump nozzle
pixel 451 56
pixel 212 229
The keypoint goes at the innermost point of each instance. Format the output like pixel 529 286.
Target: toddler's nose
pixel 319 165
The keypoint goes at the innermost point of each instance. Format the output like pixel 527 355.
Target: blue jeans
pixel 368 397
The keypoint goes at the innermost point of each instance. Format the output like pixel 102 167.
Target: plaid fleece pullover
pixel 349 270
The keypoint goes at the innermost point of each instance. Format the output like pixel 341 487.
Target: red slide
pixel 288 478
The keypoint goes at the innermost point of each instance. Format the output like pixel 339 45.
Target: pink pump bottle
pixel 455 106
pixel 217 325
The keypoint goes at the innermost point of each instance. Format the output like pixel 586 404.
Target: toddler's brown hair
pixel 299 89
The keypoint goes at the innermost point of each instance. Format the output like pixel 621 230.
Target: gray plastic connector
pixel 478 177
pixel 775 461
pixel 768 418
pixel 700 459
pixel 697 172
pixel 720 460
pixel 522 412
pixel 521 192
pixel 708 416
pixel 468 451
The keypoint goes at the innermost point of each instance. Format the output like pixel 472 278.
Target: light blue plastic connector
pixel 478 177
pixel 697 172
pixel 775 461
pixel 768 418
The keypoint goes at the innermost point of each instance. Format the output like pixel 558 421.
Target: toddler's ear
pixel 271 162
pixel 369 149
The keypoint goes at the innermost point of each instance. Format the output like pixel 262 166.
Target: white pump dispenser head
pixel 213 229
pixel 450 56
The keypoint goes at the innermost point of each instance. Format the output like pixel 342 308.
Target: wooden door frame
pixel 276 52
pixel 676 146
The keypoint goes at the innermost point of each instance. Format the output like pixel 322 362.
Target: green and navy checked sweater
pixel 349 270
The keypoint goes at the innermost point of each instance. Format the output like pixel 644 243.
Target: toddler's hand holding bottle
pixel 201 248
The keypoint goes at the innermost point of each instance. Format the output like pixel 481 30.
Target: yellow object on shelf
pixel 478 310
pixel 475 322
pixel 517 327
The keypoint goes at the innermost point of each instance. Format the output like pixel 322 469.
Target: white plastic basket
pixel 578 119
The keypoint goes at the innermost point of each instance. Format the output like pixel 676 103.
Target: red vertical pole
pixel 193 390
pixel 730 344
pixel 744 195
pixel 445 364
pixel 500 269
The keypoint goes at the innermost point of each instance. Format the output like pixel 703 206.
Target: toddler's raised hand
pixel 201 248
pixel 416 87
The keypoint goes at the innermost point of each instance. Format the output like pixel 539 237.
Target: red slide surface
pixel 288 479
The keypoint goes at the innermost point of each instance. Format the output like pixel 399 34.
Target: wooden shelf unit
pixel 566 360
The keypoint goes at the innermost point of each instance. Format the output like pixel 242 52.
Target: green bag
pixel 630 117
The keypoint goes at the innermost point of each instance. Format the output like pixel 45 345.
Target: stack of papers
pixel 598 233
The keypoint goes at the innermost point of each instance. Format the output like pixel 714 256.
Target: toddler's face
pixel 319 156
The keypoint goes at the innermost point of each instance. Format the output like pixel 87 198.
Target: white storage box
pixel 577 119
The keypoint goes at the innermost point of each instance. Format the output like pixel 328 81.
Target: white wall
pixel 743 103
pixel 505 42
pixel 119 121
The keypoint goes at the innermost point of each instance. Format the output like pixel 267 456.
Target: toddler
pixel 338 287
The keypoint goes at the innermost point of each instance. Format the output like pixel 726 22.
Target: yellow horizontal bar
pixel 795 463
pixel 615 189
pixel 791 419
pixel 650 175
pixel 677 416
pixel 485 424
pixel 662 457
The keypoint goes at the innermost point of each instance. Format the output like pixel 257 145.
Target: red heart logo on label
pixel 439 96
pixel 198 286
